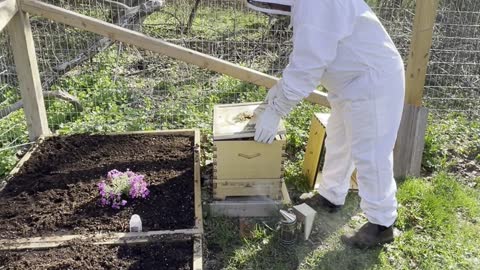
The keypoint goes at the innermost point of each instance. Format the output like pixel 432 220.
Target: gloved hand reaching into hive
pixel 277 107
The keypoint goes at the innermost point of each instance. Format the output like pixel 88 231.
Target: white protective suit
pixel 342 45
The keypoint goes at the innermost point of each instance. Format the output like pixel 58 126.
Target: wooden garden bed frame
pixel 195 234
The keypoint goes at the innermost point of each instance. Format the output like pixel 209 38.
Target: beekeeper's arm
pixel 318 26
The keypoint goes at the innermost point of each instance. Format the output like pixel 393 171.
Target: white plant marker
pixel 135 223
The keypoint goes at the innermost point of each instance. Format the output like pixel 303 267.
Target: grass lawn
pixel 439 220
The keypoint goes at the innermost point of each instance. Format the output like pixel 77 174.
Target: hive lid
pixel 237 121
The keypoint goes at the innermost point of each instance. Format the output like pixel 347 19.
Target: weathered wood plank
pixel 271 190
pixel 140 40
pixel 26 157
pixel 8 9
pixel 410 142
pixel 181 132
pixel 248 207
pixel 29 78
pixel 197 253
pixel 197 183
pixel 98 239
pixel 285 195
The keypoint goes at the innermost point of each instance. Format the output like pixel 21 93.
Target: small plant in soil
pixel 120 185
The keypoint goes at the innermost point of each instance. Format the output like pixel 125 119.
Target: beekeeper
pixel 342 45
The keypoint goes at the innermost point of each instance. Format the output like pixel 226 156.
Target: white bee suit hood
pixel 266 6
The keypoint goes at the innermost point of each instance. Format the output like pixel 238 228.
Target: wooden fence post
pixel 411 136
pixel 26 66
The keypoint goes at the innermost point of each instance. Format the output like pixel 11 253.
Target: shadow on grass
pixel 324 249
pixel 346 258
pixel 226 249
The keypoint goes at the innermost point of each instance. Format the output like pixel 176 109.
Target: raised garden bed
pixel 52 196
pixel 179 255
pixel 54 190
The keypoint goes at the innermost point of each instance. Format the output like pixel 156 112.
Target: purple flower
pixel 104 201
pixel 113 174
pixel 138 187
pixel 119 185
pixel 101 188
pixel 130 173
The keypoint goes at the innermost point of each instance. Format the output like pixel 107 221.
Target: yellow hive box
pixel 315 152
pixel 243 167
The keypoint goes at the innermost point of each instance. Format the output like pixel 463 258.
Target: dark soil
pixel 174 256
pixel 55 191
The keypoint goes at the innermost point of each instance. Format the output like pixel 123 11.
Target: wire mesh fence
pixel 453 79
pixel 13 127
pixel 93 84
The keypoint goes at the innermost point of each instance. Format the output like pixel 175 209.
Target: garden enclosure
pixel 94 84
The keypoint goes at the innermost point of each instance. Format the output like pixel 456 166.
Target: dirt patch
pixel 174 256
pixel 55 192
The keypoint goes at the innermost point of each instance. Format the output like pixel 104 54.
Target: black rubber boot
pixel 369 235
pixel 318 200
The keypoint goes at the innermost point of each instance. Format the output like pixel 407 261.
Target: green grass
pixel 260 250
pixel 210 23
pixel 439 220
pixel 14 132
pixel 450 141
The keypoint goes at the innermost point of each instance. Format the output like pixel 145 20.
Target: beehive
pixel 315 152
pixel 243 167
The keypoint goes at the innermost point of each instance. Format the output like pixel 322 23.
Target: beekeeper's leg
pixel 374 124
pixel 338 165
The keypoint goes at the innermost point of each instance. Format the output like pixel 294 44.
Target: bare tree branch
pixel 4 112
pixel 117 5
pixel 191 17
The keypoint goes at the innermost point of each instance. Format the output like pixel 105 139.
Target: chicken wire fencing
pixel 92 84
pixel 453 79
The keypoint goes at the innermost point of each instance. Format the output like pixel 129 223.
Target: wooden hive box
pixel 243 167
pixel 315 152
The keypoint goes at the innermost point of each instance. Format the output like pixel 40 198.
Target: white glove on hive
pixel 278 106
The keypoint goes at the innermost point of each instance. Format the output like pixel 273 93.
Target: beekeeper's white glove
pixel 278 106
pixel 267 125
pixel 272 93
